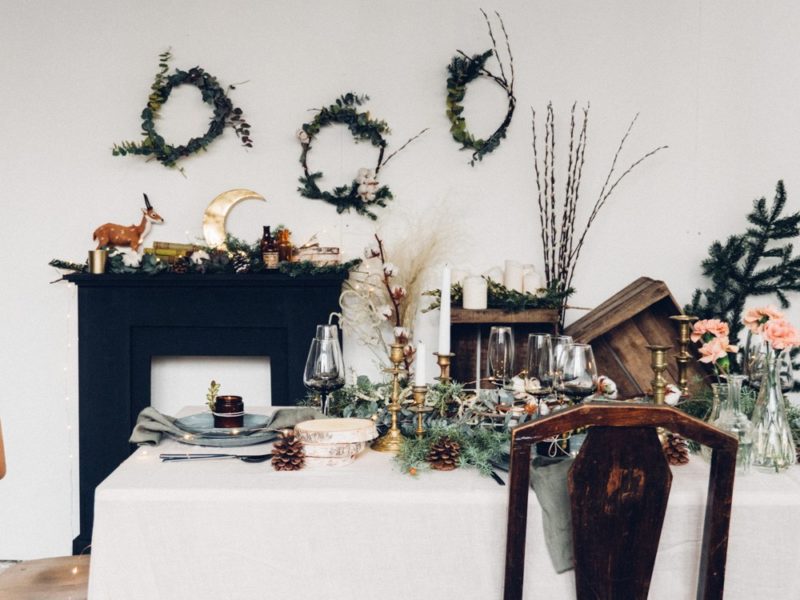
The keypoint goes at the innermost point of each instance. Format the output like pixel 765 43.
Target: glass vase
pixel 733 420
pixel 719 392
pixel 773 447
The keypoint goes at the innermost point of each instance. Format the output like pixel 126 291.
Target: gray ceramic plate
pixel 203 423
pixel 200 431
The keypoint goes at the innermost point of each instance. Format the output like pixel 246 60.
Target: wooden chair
pixel 618 486
pixel 62 578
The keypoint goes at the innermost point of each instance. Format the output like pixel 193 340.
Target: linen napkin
pixel 549 482
pixel 151 425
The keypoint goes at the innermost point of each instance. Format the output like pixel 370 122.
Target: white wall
pixel 715 80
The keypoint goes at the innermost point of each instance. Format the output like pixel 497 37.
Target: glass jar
pixel 228 411
pixel 719 392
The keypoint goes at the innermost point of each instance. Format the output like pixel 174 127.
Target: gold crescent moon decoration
pixel 217 213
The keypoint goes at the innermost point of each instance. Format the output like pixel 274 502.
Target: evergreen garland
pixel 480 447
pixel 463 70
pixel 225 114
pixel 363 193
pixel 750 264
pixel 499 296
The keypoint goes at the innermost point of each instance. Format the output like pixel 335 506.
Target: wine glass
pixel 324 372
pixel 579 377
pixel 500 356
pixel 559 343
pixel 540 364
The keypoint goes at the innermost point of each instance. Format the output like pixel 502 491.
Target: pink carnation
pixel 780 333
pixel 715 327
pixel 755 318
pixel 717 348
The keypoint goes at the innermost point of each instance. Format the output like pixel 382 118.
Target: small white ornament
pixel 606 387
pixel 130 258
pixel 199 256
pixel 673 395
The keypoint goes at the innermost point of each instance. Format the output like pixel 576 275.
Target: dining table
pixel 227 529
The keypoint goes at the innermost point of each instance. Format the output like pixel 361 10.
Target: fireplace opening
pixel 180 381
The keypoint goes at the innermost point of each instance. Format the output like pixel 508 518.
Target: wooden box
pixel 470 334
pixel 621 327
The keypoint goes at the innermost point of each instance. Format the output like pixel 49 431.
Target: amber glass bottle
pixel 269 249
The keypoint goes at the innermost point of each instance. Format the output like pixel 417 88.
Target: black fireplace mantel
pixel 126 320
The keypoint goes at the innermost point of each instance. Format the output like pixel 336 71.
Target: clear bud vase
pixel 773 447
pixel 734 421
pixel 719 392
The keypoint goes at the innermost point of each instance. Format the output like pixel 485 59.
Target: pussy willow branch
pixel 559 246
pixel 388 158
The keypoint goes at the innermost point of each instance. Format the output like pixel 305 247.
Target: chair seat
pixel 61 578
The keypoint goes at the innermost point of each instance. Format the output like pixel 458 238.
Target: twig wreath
pixel 212 93
pixel 463 70
pixel 364 193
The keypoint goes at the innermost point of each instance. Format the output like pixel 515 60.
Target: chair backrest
pixel 2 454
pixel 618 487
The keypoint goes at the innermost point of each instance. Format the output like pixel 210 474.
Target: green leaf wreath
pixel 364 192
pixel 225 114
pixel 464 69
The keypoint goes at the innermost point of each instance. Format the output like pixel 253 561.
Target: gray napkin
pixel 151 424
pixel 549 482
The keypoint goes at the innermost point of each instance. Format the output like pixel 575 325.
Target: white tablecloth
pixel 231 530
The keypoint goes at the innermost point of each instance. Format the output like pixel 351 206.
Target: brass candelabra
pixel 658 362
pixel 392 439
pixel 419 392
pixel 443 360
pixel 684 356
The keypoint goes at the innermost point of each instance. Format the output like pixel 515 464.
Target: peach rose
pixel 780 334
pixel 715 327
pixel 717 348
pixel 755 318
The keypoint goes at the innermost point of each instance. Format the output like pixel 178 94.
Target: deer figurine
pixel 112 234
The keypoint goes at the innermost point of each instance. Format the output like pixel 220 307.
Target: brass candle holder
pixel 443 360
pixel 419 392
pixel 684 356
pixel 392 439
pixel 658 362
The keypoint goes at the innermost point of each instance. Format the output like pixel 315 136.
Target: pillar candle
pixel 512 277
pixel 444 313
pixel 419 372
pixel 532 282
pixel 475 292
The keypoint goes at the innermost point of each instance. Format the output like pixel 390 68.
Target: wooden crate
pixel 470 335
pixel 621 327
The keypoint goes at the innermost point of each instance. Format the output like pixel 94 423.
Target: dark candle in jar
pixel 228 404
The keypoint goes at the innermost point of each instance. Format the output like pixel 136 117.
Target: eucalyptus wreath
pixel 224 114
pixel 364 192
pixel 463 70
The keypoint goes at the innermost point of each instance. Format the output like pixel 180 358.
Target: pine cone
pixel 676 449
pixel 797 450
pixel 181 265
pixel 287 453
pixel 444 454
pixel 241 262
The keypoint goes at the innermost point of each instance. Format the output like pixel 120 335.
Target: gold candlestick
pixel 684 356
pixel 658 362
pixel 392 439
pixel 419 392
pixel 443 360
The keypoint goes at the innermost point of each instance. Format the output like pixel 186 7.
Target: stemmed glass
pixel 324 372
pixel 539 381
pixel 560 343
pixel 579 377
pixel 500 356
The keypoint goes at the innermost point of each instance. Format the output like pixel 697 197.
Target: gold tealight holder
pixel 684 356
pixel 392 440
pixel 419 392
pixel 97 261
pixel 658 362
pixel 443 360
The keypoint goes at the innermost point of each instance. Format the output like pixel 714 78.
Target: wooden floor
pixel 63 578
